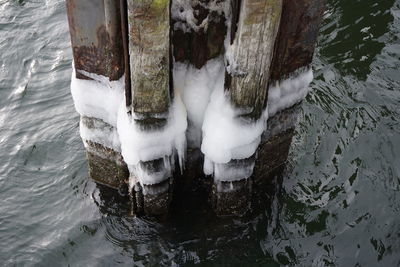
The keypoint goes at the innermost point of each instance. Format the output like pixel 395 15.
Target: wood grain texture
pixel 253 48
pixel 297 36
pixel 96 37
pixel 149 33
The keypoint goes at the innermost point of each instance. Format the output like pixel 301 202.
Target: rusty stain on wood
pixel 96 37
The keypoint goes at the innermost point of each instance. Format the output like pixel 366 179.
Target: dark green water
pixel 338 202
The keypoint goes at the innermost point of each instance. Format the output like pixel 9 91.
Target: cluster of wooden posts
pixel 274 39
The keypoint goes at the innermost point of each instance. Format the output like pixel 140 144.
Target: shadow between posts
pixel 193 201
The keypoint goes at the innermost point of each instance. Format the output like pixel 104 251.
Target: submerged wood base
pixel 231 198
pixel 235 198
pixel 226 198
pixel 106 166
pixel 152 199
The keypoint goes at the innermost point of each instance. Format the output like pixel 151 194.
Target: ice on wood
pixel 288 92
pixel 196 86
pixel 98 98
pixel 97 131
pixel 141 146
pixel 201 111
pixel 97 101
pixel 215 124
pixel 225 135
pixel 227 138
pixel 103 102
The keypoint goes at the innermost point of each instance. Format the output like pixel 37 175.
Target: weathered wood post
pixel 225 75
pixel 195 41
pixel 246 80
pixel 294 50
pixel 149 51
pixel 97 50
pixel 275 43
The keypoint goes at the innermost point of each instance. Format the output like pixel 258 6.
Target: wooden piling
pixel 297 37
pixel 149 51
pixel 106 165
pixel 249 61
pixel 271 40
pixel 96 39
pixel 254 27
pixel 151 90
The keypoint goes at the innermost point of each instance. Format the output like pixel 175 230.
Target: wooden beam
pixel 96 37
pixel 149 51
pixel 249 61
pixel 297 37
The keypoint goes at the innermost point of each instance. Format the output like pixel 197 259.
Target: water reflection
pixel 354 32
pixel 337 201
pixel 191 233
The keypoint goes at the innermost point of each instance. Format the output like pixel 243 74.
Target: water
pixel 338 202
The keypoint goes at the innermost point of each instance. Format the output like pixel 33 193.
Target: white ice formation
pixel 200 113
pixel 196 86
pixel 114 128
pixel 289 92
pixel 199 99
pixel 98 98
pixel 143 146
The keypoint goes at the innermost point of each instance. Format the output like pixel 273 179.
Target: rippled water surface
pixel 338 202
